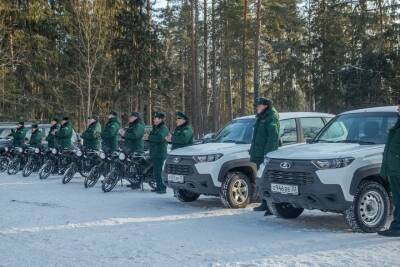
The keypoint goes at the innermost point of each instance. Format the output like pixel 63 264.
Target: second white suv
pixel 223 168
pixel 339 171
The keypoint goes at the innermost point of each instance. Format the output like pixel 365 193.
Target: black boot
pixel 262 207
pixel 390 233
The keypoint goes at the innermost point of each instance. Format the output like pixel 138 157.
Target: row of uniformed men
pixel 94 137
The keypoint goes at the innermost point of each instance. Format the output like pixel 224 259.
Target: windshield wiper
pixel 358 142
pixel 234 141
pixel 324 141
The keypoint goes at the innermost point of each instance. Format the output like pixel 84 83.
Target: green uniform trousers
pixel 157 169
pixel 395 188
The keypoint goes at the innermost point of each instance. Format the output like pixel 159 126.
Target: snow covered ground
pixel 46 223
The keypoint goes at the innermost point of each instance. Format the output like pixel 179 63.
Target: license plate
pixel 175 178
pixel 285 189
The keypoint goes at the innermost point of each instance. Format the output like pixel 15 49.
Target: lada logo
pixel 286 165
pixel 176 160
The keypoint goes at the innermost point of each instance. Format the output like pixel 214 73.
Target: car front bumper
pixel 193 181
pixel 312 193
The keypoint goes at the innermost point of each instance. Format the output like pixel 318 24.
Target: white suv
pixel 338 171
pixel 222 167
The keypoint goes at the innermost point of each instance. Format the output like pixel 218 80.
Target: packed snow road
pixel 46 223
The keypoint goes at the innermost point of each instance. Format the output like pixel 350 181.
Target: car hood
pixel 325 151
pixel 210 148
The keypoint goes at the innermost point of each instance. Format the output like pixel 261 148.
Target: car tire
pixel 284 210
pixel 370 209
pixel 236 191
pixel 185 196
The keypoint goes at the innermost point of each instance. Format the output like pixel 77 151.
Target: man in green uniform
pixel 133 135
pixel 183 134
pixel 158 149
pixel 391 168
pixel 51 137
pixel 36 136
pixel 64 134
pixel 265 136
pixel 19 135
pixel 110 133
pixel 92 135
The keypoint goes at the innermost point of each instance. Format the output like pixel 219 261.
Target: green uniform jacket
pixel 391 154
pixel 64 135
pixel 182 136
pixel 51 139
pixel 91 136
pixel 266 134
pixel 36 139
pixel 157 142
pixel 134 137
pixel 19 137
pixel 110 135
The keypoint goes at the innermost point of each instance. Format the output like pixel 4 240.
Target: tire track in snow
pixel 122 221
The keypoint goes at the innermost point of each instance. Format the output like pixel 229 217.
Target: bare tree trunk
pixel 228 86
pixel 193 65
pixel 256 78
pixel 215 91
pixel 244 64
pixel 205 55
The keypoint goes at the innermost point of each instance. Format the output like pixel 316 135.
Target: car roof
pixel 294 115
pixel 375 109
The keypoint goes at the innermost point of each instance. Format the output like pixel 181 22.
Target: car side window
pixel 288 132
pixel 311 127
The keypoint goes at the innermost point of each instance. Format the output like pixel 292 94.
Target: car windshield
pixel 4 133
pixel 237 131
pixel 360 128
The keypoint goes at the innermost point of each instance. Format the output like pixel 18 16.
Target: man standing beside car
pixel 19 135
pixel 265 136
pixel 391 168
pixel 183 134
pixel 158 149
pixel 92 135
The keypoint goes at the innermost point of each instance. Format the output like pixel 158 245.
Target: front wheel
pixel 69 174
pixel 284 210
pixel 185 196
pixel 29 168
pixel 370 209
pixel 236 190
pixel 93 177
pixel 4 161
pixel 14 167
pixel 110 181
pixel 46 169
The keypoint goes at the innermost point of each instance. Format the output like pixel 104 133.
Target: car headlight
pixel 20 150
pixel 121 156
pixel 54 151
pixel 78 153
pixel 37 150
pixel 267 161
pixel 324 164
pixel 207 158
pixel 102 155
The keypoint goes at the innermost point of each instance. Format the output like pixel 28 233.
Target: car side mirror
pixel 309 140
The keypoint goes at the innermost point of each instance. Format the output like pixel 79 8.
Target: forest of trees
pixel 208 58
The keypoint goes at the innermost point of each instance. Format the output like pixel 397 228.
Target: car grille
pixel 297 178
pixel 179 169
